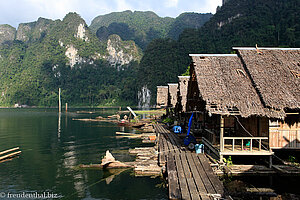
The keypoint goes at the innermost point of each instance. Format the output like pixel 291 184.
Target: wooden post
pixel 259 144
pixel 221 137
pixel 59 100
pixel 270 161
pixel 242 144
pixel 66 107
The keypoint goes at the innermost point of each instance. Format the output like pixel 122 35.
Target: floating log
pixel 129 136
pixel 122 133
pixel 10 155
pixel 96 120
pixel 110 162
pixel 91 166
pixel 146 136
pixel 9 150
pixel 99 166
pixel 85 112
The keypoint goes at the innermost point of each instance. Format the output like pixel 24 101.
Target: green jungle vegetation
pixel 32 71
pixel 267 23
pixel 143 27
pixel 34 65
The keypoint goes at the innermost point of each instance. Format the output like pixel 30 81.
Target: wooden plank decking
pixel 189 174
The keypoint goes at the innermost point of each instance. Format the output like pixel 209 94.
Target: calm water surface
pixel 53 146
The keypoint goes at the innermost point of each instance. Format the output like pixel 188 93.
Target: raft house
pixel 246 103
pixel 162 97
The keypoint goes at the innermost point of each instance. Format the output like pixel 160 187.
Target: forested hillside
pixel 50 54
pixel 93 66
pixel 111 61
pixel 143 27
pixel 266 23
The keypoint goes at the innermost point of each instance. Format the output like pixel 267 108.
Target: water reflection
pixel 53 147
pixel 59 126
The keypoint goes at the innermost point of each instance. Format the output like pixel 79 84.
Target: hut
pixel 180 108
pixel 275 73
pixel 230 115
pixel 182 92
pixel 247 103
pixel 173 89
pixel 162 96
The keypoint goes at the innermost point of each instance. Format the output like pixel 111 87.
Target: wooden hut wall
pixel 256 126
pixel 211 125
pixel 162 96
pixel 284 134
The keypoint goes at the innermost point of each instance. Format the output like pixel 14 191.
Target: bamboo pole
pixel 221 137
pixel 122 133
pixel 10 155
pixel 9 150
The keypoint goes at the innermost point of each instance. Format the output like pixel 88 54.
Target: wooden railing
pixel 210 136
pixel 243 139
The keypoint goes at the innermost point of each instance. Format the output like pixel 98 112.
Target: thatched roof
pixel 226 87
pixel 276 75
pixel 162 96
pixel 173 88
pixel 183 89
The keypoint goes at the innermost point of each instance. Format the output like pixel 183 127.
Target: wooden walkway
pixel 189 175
pixel 168 143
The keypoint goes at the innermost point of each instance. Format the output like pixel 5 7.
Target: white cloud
pixel 20 11
pixel 211 5
pixel 123 5
pixel 171 3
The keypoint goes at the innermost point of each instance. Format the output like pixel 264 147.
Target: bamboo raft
pixel 10 153
pixel 146 161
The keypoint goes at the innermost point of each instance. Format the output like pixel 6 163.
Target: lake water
pixel 52 148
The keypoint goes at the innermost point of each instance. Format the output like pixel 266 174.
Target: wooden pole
pixel 221 138
pixel 66 107
pixel 59 100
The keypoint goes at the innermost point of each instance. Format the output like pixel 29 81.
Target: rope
pixel 103 179
pixel 254 138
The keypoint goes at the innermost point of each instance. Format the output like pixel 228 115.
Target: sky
pixel 14 12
